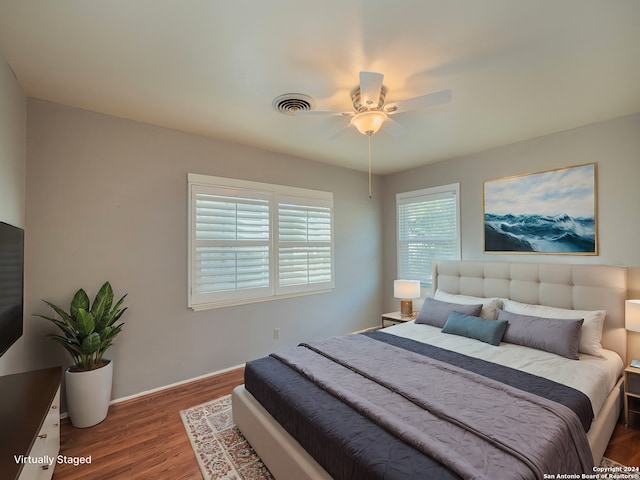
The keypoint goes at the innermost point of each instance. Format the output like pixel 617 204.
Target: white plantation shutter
pixel 231 244
pixel 428 229
pixel 305 244
pixel 250 241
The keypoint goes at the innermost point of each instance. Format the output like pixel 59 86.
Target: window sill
pixel 234 303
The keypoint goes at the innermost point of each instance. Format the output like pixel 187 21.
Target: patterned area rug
pixel 615 470
pixel 224 454
pixel 221 450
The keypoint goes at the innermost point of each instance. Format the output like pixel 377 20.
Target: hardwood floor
pixel 624 446
pixel 144 438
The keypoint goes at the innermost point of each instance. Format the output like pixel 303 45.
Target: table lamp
pixel 632 321
pixel 406 290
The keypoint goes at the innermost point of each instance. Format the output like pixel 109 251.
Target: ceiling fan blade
pixel 423 101
pixel 302 113
pixel 340 132
pixel 370 86
pixel 394 128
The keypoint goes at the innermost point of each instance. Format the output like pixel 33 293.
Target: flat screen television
pixel 11 284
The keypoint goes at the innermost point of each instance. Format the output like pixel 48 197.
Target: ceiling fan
pixel 370 111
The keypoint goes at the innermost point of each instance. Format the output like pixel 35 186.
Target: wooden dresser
pixel 29 424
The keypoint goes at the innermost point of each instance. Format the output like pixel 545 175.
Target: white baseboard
pixel 177 384
pixel 165 387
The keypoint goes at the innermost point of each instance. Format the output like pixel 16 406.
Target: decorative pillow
pixel 591 327
pixel 489 305
pixel 488 331
pixel 555 335
pixel 436 312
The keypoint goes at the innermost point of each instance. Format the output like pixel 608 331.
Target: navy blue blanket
pixel 348 445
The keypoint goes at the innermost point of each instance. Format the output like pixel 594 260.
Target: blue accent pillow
pixel 554 335
pixel 488 331
pixel 436 312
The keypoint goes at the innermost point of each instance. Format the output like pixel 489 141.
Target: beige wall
pixel 107 200
pixel 13 127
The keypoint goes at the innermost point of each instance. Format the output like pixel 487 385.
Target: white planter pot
pixel 88 395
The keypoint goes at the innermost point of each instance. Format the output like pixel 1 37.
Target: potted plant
pixel 88 330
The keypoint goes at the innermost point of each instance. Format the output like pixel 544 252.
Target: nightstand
pixel 631 392
pixel 397 317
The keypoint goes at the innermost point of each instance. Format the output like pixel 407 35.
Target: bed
pixel 303 450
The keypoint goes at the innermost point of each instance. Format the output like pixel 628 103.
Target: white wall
pixel 107 200
pixel 13 128
pixel 614 145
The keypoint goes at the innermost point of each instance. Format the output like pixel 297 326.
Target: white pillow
pixel 591 327
pixel 489 305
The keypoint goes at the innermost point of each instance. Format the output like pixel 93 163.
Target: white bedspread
pixel 593 376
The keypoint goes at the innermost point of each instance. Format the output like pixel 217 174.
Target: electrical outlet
pixel 276 333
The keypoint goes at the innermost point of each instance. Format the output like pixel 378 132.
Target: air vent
pixel 290 103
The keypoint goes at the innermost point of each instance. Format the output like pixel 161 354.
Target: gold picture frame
pixel 547 212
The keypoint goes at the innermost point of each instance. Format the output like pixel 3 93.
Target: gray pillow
pixel 554 335
pixel 436 312
pixel 488 331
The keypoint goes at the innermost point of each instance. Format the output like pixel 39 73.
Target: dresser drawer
pixel 32 471
pixel 45 447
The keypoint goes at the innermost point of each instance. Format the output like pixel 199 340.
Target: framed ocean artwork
pixel 551 212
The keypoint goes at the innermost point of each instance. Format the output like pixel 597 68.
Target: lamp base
pixel 406 308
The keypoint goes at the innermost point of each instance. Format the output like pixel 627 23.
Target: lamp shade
pixel 406 289
pixel 632 315
pixel 369 121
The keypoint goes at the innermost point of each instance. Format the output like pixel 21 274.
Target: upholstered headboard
pixel 579 287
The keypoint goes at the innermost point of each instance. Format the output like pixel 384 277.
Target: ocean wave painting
pixel 546 212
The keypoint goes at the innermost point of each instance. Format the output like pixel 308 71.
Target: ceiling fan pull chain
pixel 369 136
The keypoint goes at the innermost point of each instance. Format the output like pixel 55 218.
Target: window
pixel 252 241
pixel 428 229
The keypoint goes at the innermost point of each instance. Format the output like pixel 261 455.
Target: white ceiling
pixel 518 69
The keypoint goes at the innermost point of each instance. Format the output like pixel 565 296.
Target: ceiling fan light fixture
pixel 369 122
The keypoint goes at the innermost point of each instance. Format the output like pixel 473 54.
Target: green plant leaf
pixel 86 323
pixel 115 313
pixel 113 332
pixel 106 333
pixel 69 331
pixel 91 344
pixel 88 330
pixel 105 345
pixel 102 304
pixel 63 315
pixel 80 300
pixel 68 343
pixel 70 346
